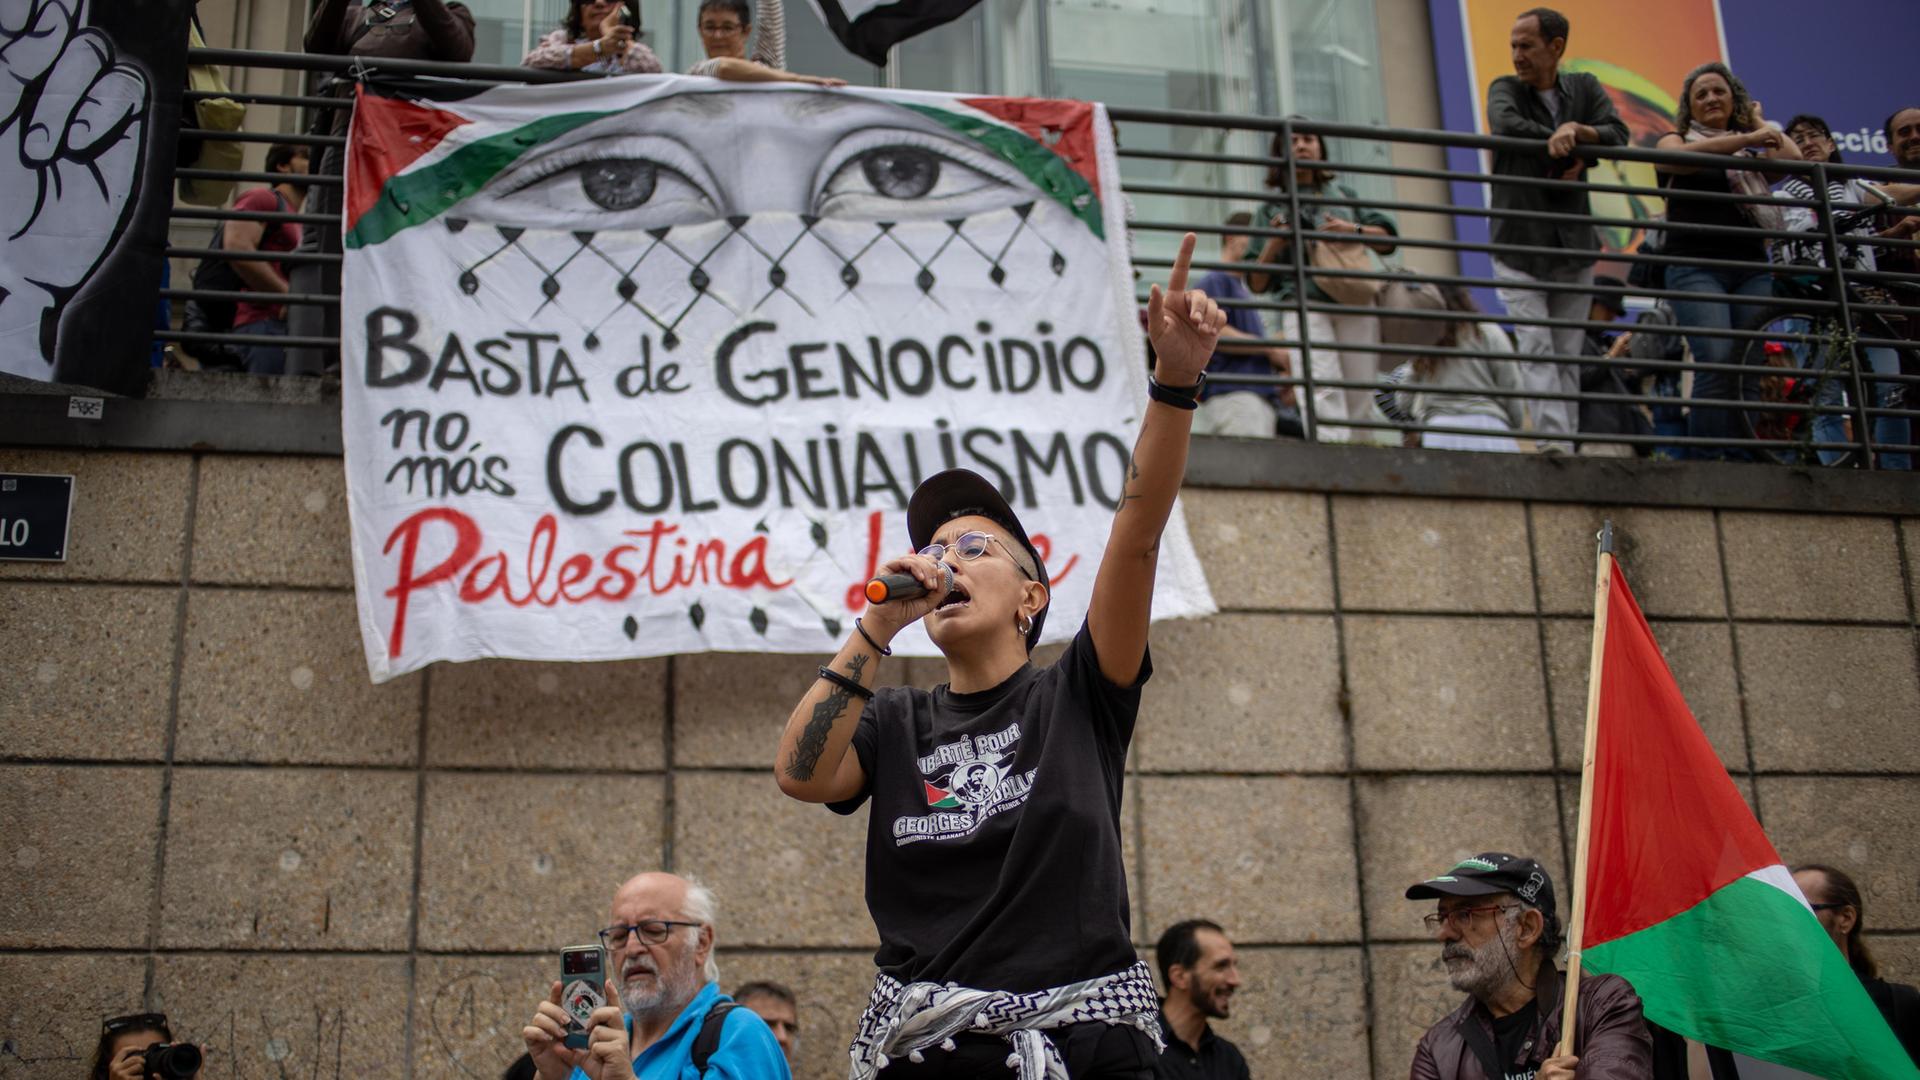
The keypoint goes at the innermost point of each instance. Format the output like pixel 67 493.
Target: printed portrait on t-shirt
pixel 967 782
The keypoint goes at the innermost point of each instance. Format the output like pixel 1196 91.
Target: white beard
pixel 671 991
pixel 1491 966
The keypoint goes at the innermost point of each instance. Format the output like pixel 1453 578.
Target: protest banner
pixel 646 366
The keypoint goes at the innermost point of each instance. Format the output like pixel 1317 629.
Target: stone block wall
pixel 206 808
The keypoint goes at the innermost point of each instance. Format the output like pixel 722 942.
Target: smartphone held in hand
pixel 583 981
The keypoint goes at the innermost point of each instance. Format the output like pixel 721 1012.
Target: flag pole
pixel 1576 925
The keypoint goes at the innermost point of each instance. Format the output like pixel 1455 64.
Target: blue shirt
pixel 747 1049
pixel 1219 285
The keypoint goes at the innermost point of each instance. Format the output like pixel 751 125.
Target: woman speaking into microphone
pixel 993 848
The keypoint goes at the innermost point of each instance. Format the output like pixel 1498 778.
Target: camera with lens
pixel 172 1061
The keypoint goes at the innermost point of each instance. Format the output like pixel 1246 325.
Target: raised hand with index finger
pixel 1183 324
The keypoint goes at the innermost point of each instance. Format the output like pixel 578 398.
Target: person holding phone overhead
pixel 994 874
pixel 596 35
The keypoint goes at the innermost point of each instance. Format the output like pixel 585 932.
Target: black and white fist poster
pixel 89 117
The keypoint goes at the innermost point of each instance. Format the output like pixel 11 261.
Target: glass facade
pixel 1318 58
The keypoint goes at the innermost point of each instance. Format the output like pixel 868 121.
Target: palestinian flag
pixel 412 159
pixel 1688 901
pixel 869 28
pixel 939 798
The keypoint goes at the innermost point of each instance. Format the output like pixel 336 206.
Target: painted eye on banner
pixel 901 174
pixel 619 183
pixel 602 183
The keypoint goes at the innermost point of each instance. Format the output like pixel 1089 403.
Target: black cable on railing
pixel 319 257
pixel 248 296
pixel 463 73
pixel 265 217
pixel 224 175
pixel 249 97
pixel 301 138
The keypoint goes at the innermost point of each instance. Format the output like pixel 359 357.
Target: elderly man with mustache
pixel 1498 934
pixel 662 972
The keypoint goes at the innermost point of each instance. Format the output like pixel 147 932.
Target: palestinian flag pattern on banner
pixel 1688 900
pixel 869 28
pixel 413 160
pixel 644 366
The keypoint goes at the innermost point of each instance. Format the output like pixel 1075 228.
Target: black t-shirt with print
pixel 1510 1035
pixel 993 848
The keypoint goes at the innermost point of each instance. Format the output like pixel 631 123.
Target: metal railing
pixel 1799 383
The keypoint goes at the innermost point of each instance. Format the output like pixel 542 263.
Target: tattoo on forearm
pixel 1128 494
pixel 813 738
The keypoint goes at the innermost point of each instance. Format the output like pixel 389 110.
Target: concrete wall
pixel 206 808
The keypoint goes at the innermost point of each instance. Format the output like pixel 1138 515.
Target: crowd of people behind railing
pixel 1468 395
pixel 1386 366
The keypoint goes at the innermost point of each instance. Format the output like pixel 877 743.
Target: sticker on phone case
pixel 578 999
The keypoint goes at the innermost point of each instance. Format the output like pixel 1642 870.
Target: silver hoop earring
pixel 1024 623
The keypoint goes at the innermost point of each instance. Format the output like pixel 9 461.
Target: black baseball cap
pixel 1488 873
pixel 960 492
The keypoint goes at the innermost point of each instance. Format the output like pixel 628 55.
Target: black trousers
pixel 1093 1051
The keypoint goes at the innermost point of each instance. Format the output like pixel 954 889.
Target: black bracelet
pixel 845 683
pixel 1181 397
pixel 877 647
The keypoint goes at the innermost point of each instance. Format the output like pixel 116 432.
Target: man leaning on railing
pixel 1903 140
pixel 1539 101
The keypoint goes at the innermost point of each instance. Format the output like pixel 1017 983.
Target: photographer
pixel 139 1047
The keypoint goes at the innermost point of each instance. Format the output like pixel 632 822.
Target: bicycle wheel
pixel 1787 375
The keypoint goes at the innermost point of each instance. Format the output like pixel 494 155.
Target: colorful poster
pixel 648 366
pixel 1832 64
pixel 1610 39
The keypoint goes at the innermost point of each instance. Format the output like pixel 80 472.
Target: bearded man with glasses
pixel 662 969
pixel 1499 935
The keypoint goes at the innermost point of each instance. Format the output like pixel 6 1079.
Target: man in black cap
pixel 1499 932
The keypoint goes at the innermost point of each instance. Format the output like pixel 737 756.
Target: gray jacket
pixel 1464 377
pixel 1516 110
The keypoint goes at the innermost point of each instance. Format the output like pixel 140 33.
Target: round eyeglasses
pixel 970 546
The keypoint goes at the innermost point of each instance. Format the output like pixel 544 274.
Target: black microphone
pixel 902 586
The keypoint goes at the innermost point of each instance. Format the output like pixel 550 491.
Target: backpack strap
pixel 705 1043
